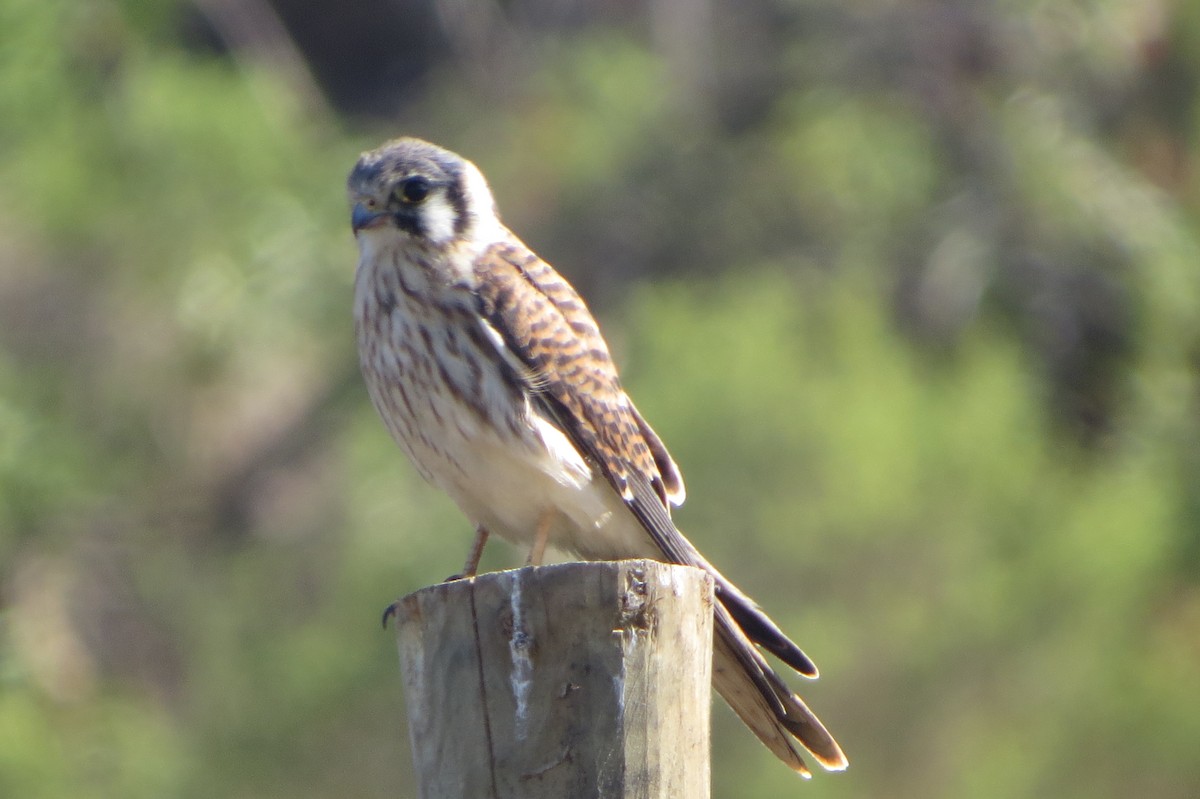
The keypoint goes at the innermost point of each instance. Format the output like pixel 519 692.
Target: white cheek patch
pixel 438 217
pixel 485 226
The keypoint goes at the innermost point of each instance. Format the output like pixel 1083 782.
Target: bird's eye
pixel 413 190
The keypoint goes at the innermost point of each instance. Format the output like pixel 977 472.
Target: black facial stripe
pixel 458 200
pixel 408 219
pixel 452 167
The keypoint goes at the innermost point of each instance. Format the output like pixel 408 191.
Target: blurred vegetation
pixel 911 290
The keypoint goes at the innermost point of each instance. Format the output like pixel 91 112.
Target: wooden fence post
pixel 570 681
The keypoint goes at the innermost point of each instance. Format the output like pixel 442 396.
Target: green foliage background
pixel 918 316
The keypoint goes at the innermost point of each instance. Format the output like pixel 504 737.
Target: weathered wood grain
pixel 570 681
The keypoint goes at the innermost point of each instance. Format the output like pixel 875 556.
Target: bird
pixel 492 375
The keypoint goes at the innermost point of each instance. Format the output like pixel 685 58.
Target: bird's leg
pixel 540 536
pixel 469 569
pixel 472 564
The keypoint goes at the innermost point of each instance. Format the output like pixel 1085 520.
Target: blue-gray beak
pixel 362 217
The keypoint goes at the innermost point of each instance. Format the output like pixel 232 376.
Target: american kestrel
pixel 491 373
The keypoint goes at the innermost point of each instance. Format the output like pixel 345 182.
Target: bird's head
pixel 409 187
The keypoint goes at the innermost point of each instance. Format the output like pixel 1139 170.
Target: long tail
pixel 759 696
pixel 765 704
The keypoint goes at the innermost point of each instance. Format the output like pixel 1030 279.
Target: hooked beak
pixel 362 218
